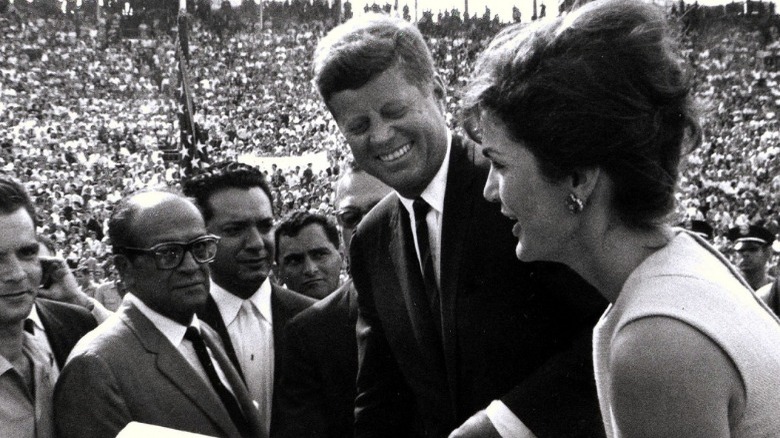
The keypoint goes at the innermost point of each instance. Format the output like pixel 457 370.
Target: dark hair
pixel 293 223
pixel 13 196
pixel 601 87
pixel 219 176
pixel 357 51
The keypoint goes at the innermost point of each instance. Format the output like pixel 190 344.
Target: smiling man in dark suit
pixel 247 310
pixel 454 333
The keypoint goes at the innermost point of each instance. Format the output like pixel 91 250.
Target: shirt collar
pixel 35 318
pixel 33 351
pixel 434 192
pixel 229 304
pixel 171 329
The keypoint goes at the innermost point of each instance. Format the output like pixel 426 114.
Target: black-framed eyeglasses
pixel 350 217
pixel 168 255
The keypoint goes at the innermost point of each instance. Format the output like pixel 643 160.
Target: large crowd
pixel 83 122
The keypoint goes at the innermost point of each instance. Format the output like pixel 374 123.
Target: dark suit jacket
pixel 317 397
pixel 285 304
pixel 510 330
pixel 64 324
pixel 126 370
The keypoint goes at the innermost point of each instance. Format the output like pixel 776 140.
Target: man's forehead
pixel 241 216
pixel 16 230
pixel 237 204
pixel 358 189
pixel 749 247
pixel 310 237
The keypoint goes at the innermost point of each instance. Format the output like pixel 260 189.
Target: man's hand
pixel 478 426
pixel 64 287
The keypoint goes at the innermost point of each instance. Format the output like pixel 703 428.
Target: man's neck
pixel 11 340
pixel 241 290
pixel 756 279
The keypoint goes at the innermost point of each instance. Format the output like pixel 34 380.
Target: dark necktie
pixel 421 208
pixel 29 326
pixel 193 335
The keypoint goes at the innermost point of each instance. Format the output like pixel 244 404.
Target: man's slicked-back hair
pixel 13 196
pixel 293 223
pixel 357 51
pixel 220 176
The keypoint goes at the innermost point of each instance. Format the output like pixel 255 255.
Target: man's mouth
pixel 396 154
pixel 253 261
pixel 16 294
pixel 312 282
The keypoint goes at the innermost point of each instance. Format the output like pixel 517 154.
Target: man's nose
pixel 255 238
pixel 309 266
pixel 13 271
pixel 381 132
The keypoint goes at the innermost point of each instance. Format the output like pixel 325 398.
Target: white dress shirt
pixel 434 196
pixel 250 326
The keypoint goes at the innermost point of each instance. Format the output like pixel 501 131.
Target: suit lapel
pixel 459 200
pixel 213 318
pixel 58 334
pixel 173 366
pixel 410 283
pixel 236 382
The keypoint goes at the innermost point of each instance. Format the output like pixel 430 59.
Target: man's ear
pixel 279 272
pixel 440 92
pixel 583 181
pixel 123 266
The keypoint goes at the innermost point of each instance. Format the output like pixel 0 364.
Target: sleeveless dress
pixel 690 281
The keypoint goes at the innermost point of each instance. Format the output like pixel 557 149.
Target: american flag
pixel 194 152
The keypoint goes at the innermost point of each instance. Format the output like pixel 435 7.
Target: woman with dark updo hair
pixel 585 120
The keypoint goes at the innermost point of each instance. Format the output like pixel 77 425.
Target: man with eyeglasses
pixel 357 193
pixel 247 310
pixel 154 361
pixel 318 386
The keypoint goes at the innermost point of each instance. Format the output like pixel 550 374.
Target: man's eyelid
pixel 292 258
pixel 394 109
pixel 31 249
pixel 356 124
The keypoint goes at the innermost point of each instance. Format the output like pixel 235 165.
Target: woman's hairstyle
pixel 363 48
pixel 601 87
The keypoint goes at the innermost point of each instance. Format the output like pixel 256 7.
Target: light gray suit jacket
pixel 126 370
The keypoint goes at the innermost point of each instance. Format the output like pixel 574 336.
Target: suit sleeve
pixel 87 400
pixel 302 411
pixel 384 405
pixel 559 398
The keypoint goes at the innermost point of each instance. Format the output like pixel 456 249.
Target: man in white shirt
pixel 153 361
pixel 247 310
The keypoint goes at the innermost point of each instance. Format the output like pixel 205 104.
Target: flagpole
pixel 192 153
